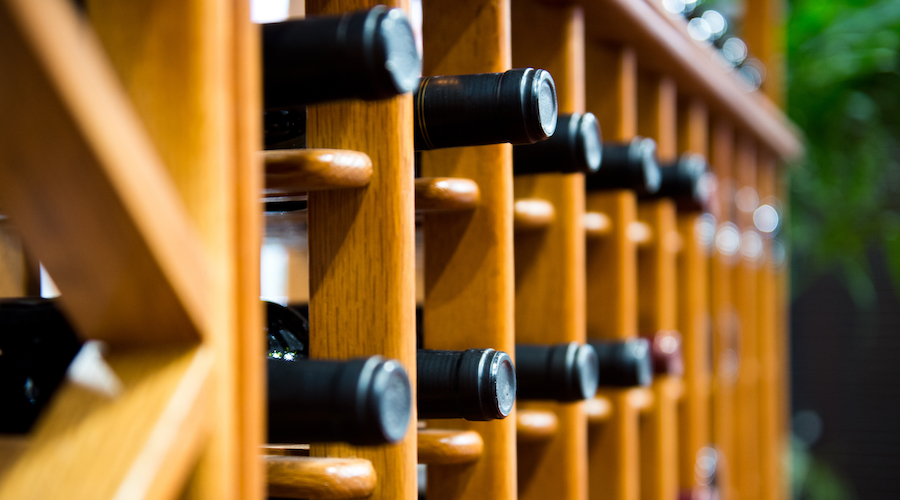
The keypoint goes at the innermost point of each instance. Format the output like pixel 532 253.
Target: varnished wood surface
pixel 612 94
pixel 532 213
pixel 361 255
pixel 665 48
pixel 446 194
pixel 112 232
pixel 535 425
pixel 598 410
pixel 657 106
pixel 296 171
pixel 596 225
pixel 613 452
pixel 13 266
pixel 469 256
pixel 445 447
pixel 317 478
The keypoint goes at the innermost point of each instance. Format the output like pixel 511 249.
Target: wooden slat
pixel 745 464
pixel 657 312
pixel 140 443
pixel 665 48
pixel 532 213
pixel 446 194
pixel 14 272
pixel 111 232
pixel 446 447
pixel 361 255
pixel 693 308
pixel 296 171
pixel 316 478
pixel 764 28
pixel 657 97
pixel 550 286
pixel 612 94
pixel 469 257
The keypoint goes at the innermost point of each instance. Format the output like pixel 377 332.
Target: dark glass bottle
pixel 665 352
pixel 518 106
pixel 632 165
pixel 365 55
pixel 560 372
pixel 363 401
pixel 575 147
pixel 686 182
pixel 36 346
pixel 624 363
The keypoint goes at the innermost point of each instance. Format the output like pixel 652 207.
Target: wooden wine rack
pixel 130 167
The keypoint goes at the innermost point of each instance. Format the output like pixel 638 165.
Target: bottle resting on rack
pixel 364 55
pixel 632 165
pixel 624 363
pixel 475 384
pixel 575 147
pixel 518 106
pixel 559 372
pixel 362 401
pixel 686 181
pixel 36 346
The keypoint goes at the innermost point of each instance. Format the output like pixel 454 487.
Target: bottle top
pixel 632 165
pixel 574 147
pixel 624 363
pixel 687 181
pixel 561 372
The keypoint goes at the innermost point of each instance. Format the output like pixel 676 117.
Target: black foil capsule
pixel 560 372
pixel 475 384
pixel 575 147
pixel 625 363
pixel 365 55
pixel 632 165
pixel 364 401
pixel 686 182
pixel 518 106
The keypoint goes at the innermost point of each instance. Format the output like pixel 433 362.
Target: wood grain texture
pixel 532 213
pixel 550 286
pixel 469 257
pixel 112 232
pixel 666 48
pixel 746 462
pixel 657 114
pixel 446 194
pixel 721 307
pixel 534 425
pixel 140 443
pixel 445 447
pixel 693 307
pixel 296 171
pixel 317 478
pixel 612 94
pixel 361 255
pixel 13 265
pixel 613 450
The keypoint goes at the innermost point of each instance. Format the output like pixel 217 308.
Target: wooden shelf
pixel 445 447
pixel 319 478
pixel 291 172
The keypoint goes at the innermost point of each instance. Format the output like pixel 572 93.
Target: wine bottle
pixel 560 372
pixel 475 384
pixel 36 346
pixel 632 165
pixel 363 401
pixel 666 354
pixel 365 55
pixel 686 182
pixel 624 363
pixel 575 147
pixel 518 106
pixel 284 128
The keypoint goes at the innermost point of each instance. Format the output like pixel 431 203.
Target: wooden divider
pixel 469 255
pixel 693 307
pixel 611 273
pixel 361 255
pixel 549 262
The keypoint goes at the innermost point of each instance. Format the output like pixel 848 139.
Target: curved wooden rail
pixel 596 225
pixel 319 478
pixel 295 171
pixel 535 425
pixel 286 450
pixel 598 409
pixel 446 194
pixel 641 399
pixel 532 213
pixel 443 447
pixel 640 233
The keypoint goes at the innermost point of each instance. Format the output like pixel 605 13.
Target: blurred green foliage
pixel 844 93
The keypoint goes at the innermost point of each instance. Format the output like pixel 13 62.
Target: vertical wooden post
pixel 611 273
pixel 764 33
pixel 657 111
pixel 722 308
pixel 361 248
pixel 693 308
pixel 469 257
pixel 550 263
